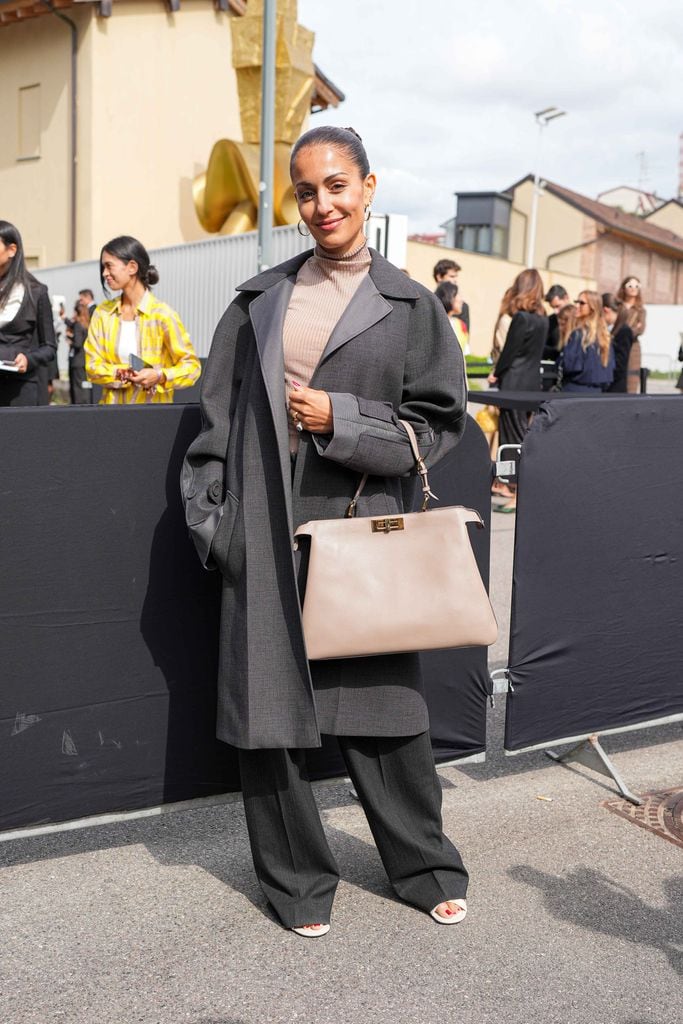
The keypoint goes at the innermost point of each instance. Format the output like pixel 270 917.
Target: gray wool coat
pixel 392 355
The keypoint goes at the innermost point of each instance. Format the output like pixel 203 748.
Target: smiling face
pixel 332 196
pixel 582 307
pixel 117 274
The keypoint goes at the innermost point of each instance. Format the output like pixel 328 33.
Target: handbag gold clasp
pixel 387 525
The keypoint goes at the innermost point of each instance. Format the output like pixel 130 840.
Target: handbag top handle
pixel 419 465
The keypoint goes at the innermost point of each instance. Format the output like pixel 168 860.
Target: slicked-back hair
pixel 127 248
pixel 347 140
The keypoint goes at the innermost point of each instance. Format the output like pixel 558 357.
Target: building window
pixel 29 123
pixel 500 242
pixel 483 239
pixel 475 238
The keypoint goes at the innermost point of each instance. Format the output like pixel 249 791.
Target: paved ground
pixel 575 914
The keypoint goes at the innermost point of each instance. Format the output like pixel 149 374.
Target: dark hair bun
pixel 354 132
pixel 152 275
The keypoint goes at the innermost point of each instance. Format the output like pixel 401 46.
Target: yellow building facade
pixel 156 88
pixel 482 283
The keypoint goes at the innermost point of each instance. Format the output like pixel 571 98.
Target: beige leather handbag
pixel 392 584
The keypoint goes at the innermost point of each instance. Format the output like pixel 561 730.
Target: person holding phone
pixel 137 348
pixel 27 333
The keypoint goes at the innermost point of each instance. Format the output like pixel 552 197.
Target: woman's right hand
pixel 492 379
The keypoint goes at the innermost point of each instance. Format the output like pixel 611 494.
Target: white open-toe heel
pixel 312 931
pixel 455 917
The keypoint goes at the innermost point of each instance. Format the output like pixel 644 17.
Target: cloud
pixel 444 98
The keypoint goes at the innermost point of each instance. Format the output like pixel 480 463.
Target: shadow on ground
pixel 213 838
pixel 588 899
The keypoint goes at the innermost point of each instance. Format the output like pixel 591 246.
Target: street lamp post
pixel 543 118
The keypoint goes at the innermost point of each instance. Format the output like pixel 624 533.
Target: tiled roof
pixel 613 219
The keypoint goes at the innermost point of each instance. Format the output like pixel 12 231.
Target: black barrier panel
pixel 458 680
pixel 108 624
pixel 107 621
pixel 596 639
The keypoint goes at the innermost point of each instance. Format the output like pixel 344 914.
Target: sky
pixel 443 93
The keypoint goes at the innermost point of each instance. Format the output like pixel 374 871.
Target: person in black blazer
pixel 556 298
pixel 622 341
pixel 519 364
pixel 78 332
pixel 27 334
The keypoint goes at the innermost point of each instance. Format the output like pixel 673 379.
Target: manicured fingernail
pixel 295 384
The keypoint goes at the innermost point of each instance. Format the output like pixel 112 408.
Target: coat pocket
pixel 228 546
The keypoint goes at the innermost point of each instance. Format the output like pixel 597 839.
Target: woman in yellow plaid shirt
pixel 137 348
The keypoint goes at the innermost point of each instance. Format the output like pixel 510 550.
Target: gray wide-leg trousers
pixel 397 784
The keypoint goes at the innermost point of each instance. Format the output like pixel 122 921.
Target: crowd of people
pixel 137 350
pixel 299 413
pixel 133 346
pixel 590 345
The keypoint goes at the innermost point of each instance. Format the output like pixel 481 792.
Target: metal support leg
pixel 590 753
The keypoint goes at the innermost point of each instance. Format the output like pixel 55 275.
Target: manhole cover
pixel 661 813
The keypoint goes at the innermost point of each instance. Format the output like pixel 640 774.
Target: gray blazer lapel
pixel 267 313
pixel 366 308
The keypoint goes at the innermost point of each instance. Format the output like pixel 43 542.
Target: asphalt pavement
pixel 574 913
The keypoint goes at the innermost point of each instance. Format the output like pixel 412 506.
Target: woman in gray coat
pixel 311 367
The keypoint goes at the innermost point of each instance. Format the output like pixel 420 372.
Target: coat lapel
pixel 366 308
pixel 267 313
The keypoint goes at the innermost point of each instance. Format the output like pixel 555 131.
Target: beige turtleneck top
pixel 324 287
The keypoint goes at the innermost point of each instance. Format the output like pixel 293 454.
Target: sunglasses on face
pixel 581 302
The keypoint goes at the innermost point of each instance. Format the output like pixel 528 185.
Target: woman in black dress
pixel 519 365
pixel 27 334
pixel 622 341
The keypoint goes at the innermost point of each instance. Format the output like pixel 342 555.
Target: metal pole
pixel 265 202
pixel 531 246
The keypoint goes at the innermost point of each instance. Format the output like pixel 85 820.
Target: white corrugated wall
pixel 198 279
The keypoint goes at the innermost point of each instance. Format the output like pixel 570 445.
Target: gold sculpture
pixel 226 195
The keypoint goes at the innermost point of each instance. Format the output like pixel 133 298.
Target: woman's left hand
pixel 21 363
pixel 312 409
pixel 492 379
pixel 147 379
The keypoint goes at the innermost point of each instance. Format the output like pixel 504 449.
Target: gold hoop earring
pixel 368 213
pixel 305 233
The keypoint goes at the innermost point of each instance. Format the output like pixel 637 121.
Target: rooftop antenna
pixel 643 176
